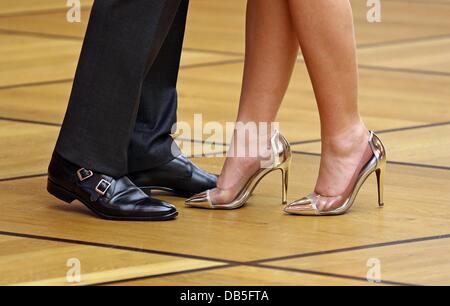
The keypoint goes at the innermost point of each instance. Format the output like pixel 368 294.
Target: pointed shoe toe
pixel 305 207
pixel 201 200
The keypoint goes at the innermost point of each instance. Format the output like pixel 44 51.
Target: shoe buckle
pixel 83 174
pixel 102 187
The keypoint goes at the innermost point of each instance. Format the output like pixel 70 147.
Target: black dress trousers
pixel 124 100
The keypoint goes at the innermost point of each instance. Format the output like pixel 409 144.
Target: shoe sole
pixel 172 192
pixel 67 196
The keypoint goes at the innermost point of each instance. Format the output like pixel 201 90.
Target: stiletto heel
pixel 377 163
pixel 281 160
pixel 285 183
pixel 380 183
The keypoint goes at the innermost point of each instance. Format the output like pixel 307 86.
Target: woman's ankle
pixel 346 142
pixel 251 140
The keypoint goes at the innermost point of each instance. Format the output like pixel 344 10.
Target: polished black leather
pixel 179 176
pixel 121 200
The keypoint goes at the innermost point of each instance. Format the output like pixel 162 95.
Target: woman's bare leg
pixel 271 52
pixel 326 35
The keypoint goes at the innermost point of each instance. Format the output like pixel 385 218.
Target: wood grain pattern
pixel 25 148
pixel 29 262
pixel 248 276
pixel 27 59
pixel 39 47
pixel 424 263
pixel 427 56
pixel 213 91
pixel 218 25
pixel 414 208
pixel 425 146
pixel 18 7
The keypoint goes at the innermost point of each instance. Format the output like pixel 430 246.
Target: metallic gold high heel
pixel 307 206
pixel 281 160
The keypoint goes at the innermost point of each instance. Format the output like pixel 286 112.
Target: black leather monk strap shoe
pixel 109 198
pixel 179 176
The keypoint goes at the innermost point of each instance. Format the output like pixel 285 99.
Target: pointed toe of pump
pixel 305 206
pixel 201 200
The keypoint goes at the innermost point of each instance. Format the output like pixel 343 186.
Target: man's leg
pixel 151 143
pixel 154 160
pixel 90 162
pixel 122 42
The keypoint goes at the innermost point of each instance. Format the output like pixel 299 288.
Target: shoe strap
pixel 95 184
